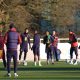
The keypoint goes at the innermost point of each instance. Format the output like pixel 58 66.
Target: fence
pixel 64 47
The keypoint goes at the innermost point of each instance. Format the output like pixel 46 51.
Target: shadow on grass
pixel 44 69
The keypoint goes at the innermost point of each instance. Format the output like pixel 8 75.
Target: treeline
pixel 59 15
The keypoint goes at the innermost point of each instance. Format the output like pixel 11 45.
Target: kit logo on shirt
pixel 25 39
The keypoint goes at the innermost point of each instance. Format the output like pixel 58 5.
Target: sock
pixel 35 63
pixel 39 62
pixel 52 60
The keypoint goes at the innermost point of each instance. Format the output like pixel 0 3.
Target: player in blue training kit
pixel 36 48
pixel 48 41
pixel 24 45
pixel 12 39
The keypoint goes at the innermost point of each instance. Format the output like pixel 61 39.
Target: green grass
pixel 58 71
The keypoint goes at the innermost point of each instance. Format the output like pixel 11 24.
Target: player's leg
pixel 47 55
pixel 52 58
pixel 15 63
pixel 35 59
pixel 35 55
pixel 9 55
pixel 25 61
pixel 71 55
pixel 4 60
pixel 52 54
pixel 38 55
pixel 25 55
pixel 56 55
pixel 20 55
pixel 76 53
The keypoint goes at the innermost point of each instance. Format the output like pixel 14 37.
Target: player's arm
pixel 5 38
pixel 19 39
pixel 29 41
pixel 74 38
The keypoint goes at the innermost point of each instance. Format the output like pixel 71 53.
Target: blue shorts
pixel 36 50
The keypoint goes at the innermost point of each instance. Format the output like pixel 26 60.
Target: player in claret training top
pixel 55 44
pixel 2 52
pixel 74 46
pixel 12 39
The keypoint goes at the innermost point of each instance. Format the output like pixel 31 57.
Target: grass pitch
pixel 58 71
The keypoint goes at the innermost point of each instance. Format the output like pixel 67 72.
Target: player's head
pixel 26 30
pixel 11 26
pixel 47 33
pixel 54 33
pixel 70 31
pixel 36 31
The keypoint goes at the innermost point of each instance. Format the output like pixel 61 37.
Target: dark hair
pixel 47 31
pixel 71 30
pixel 26 28
pixel 11 25
pixel 35 30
